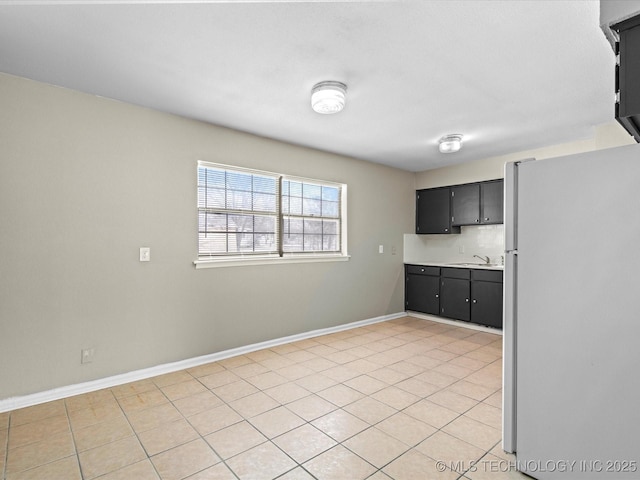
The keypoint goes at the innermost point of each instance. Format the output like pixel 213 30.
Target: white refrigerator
pixel 571 397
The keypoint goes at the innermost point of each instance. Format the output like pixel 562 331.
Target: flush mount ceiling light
pixel 328 97
pixel 450 143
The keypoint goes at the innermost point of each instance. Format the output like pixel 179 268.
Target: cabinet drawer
pixel 463 273
pixel 487 275
pixel 423 270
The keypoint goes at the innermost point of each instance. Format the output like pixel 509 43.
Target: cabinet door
pixel 433 211
pixel 492 201
pixel 465 204
pixel 422 293
pixel 486 303
pixel 629 74
pixel 454 298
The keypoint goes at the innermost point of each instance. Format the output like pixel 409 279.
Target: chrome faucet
pixel 487 260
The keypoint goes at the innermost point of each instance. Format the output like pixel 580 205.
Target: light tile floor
pixel 403 399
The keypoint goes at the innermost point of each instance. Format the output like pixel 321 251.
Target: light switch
pixel 145 254
pixel 380 248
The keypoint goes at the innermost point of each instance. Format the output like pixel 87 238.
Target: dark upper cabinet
pixel 433 211
pixel 455 293
pixel 627 75
pixel 491 202
pixel 477 203
pixel 465 204
pixel 422 289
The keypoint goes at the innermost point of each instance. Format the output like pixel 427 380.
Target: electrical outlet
pixel 145 254
pixel 86 355
pixel 393 250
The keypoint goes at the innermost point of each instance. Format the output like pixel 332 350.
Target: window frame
pixel 281 256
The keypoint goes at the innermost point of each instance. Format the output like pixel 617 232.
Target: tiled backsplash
pixel 485 240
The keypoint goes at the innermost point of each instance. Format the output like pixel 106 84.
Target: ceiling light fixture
pixel 450 143
pixel 328 97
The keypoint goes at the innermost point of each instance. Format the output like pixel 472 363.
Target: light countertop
pixel 482 266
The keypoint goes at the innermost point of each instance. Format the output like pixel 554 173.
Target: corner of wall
pixel 611 135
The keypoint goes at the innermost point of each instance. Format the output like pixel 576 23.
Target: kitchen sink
pixel 470 263
pixel 475 264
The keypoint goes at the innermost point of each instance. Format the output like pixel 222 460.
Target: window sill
pixel 268 260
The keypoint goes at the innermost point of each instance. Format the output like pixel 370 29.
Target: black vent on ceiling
pixel 628 76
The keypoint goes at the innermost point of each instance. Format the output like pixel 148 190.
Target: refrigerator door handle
pixel 510 305
pixel 511 204
pixel 509 347
pixel 510 188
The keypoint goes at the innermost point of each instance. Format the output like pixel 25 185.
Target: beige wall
pixel 605 136
pixel 86 181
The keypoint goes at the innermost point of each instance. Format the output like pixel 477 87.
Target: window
pixel 247 214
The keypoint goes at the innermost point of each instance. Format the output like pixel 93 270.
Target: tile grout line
pixel 73 439
pixel 185 418
pixel 6 449
pixel 5 472
pixel 6 458
pixel 488 452
pixel 201 436
pixel 135 433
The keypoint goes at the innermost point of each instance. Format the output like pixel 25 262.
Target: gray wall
pixel 86 181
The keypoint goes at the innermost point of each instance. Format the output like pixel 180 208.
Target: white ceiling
pixel 509 75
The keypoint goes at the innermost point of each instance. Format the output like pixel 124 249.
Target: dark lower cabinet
pixel 455 298
pixel 486 297
pixel 486 303
pixel 422 289
pixel 470 295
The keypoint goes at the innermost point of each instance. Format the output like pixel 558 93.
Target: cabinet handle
pixel 437 296
pixel 475 301
pixel 486 219
pixel 466 300
pixel 446 229
pixel 477 220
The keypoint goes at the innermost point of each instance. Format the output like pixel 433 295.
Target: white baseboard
pixel 457 323
pixel 23 401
